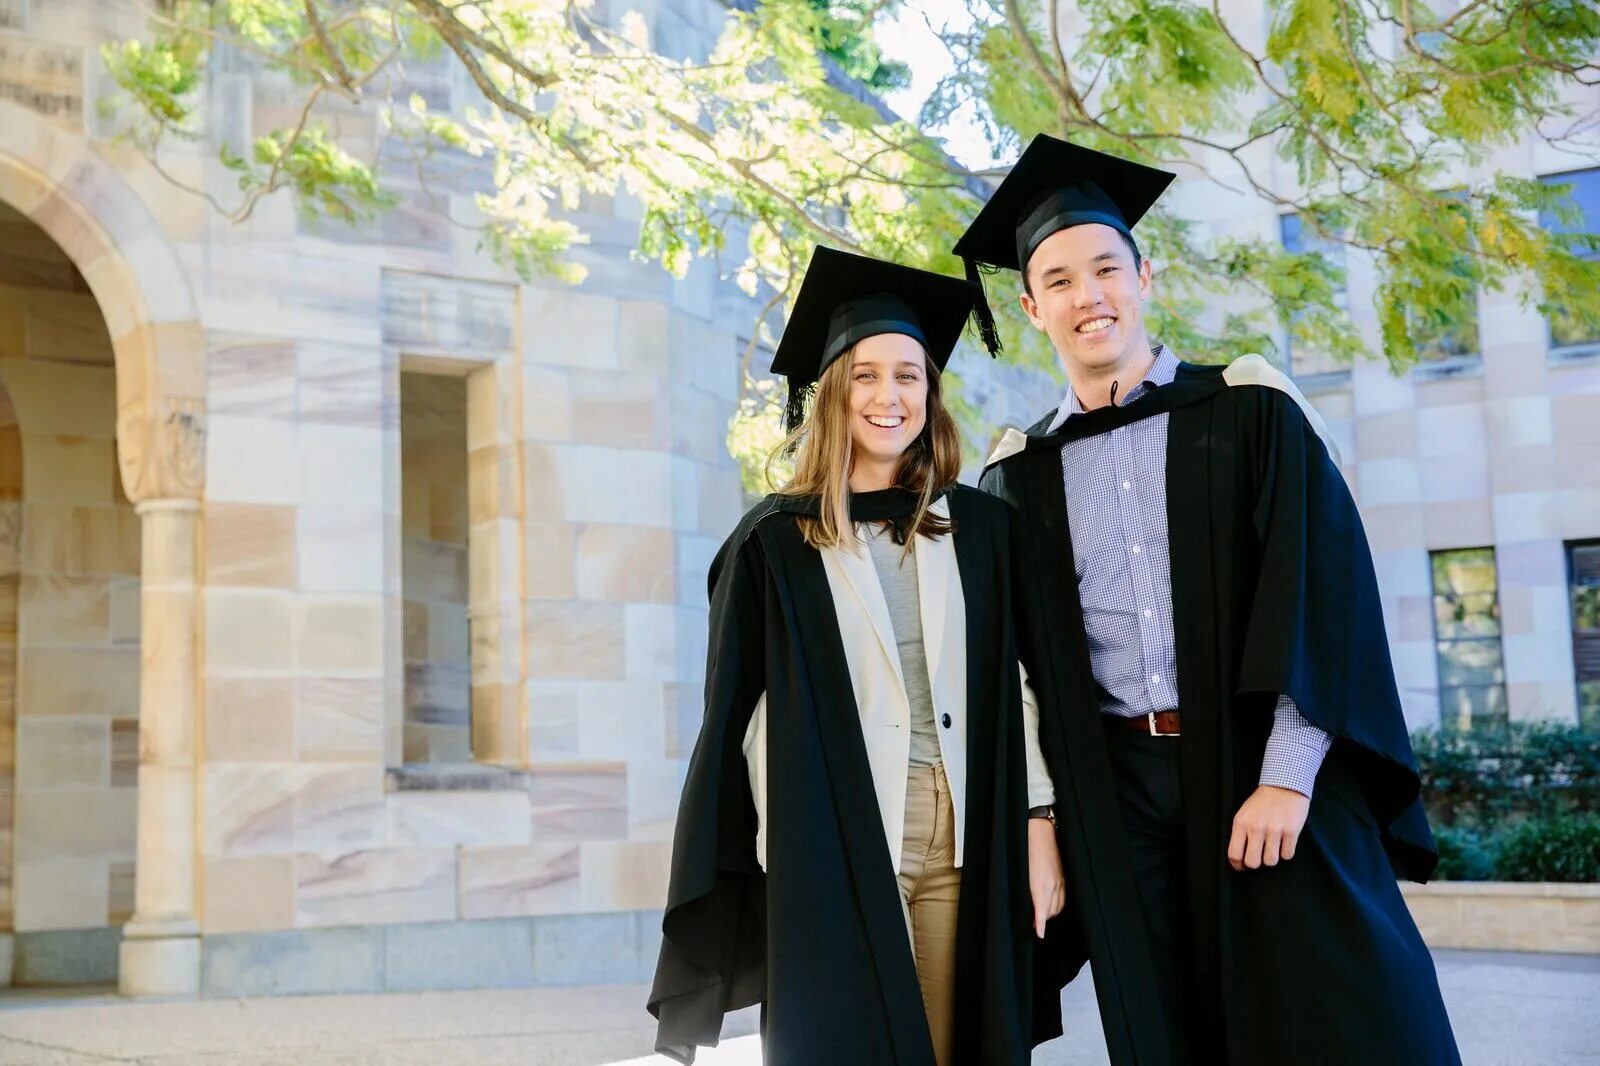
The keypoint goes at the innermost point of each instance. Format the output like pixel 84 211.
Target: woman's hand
pixel 1045 881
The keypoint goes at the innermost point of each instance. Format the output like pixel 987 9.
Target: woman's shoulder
pixel 974 501
pixel 742 545
pixel 762 510
pixel 768 505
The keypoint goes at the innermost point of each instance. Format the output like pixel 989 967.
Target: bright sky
pixel 911 36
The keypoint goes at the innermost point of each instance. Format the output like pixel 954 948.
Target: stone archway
pixel 58 181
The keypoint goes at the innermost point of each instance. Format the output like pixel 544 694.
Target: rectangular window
pixel 1449 344
pixel 1583 579
pixel 434 523
pixel 1466 625
pixel 1567 335
pixel 1303 360
pixel 1449 339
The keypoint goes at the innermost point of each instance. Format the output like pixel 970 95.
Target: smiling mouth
pixel 1096 325
pixel 886 421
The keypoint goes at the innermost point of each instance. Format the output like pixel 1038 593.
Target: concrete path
pixel 1509 1010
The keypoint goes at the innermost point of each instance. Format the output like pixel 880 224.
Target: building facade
pixel 353 592
pixel 1477 471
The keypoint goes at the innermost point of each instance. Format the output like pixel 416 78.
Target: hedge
pixel 1517 802
pixel 1494 775
pixel 1561 848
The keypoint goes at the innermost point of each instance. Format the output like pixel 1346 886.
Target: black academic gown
pixel 1316 960
pixel 820 937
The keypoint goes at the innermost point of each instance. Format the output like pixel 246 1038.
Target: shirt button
pixel 1147 612
pixel 1126 485
pixel 1156 680
pixel 944 720
pixel 1136 549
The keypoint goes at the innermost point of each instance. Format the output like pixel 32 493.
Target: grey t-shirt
pixel 897 573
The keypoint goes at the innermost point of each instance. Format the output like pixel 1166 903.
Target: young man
pixel 1235 789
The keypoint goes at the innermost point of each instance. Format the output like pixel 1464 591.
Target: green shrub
pixel 1496 775
pixel 1562 848
pixel 1464 855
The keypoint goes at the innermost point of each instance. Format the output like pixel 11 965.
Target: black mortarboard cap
pixel 1055 185
pixel 847 298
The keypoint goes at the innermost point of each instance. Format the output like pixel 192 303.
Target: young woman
pixel 853 847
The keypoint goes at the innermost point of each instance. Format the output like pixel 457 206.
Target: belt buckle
pixel 1151 718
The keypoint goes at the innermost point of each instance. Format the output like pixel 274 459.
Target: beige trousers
pixel 930 884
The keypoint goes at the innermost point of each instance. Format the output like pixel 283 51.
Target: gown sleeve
pixel 1316 633
pixel 713 949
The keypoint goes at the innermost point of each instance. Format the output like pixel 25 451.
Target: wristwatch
pixel 1043 812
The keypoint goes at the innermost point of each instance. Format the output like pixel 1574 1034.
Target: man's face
pixel 1088 296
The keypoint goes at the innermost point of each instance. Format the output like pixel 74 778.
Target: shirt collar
pixel 1162 371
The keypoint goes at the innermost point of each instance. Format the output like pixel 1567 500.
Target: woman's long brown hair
pixel 823 458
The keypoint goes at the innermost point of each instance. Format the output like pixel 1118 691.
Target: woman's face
pixel 888 398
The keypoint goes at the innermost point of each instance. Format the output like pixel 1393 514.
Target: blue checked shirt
pixel 1117 511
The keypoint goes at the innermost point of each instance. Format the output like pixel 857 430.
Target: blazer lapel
pixel 935 558
pixel 862 577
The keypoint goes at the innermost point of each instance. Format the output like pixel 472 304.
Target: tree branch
pixel 341 71
pixel 1063 92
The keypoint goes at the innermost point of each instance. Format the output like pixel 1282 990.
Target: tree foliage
pixel 1376 107
pixel 840 37
pixel 771 139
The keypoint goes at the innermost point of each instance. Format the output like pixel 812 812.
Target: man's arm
pixel 1295 750
pixel 1267 828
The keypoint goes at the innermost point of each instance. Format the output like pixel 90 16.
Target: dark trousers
pixel 1150 797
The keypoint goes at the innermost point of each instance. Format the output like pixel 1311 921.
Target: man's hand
pixel 1267 827
pixel 1045 880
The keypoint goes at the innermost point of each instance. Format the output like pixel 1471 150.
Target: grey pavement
pixel 1539 1010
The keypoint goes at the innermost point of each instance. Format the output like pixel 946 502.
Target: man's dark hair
pixel 1027 286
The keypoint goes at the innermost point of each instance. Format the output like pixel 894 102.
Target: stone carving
pixel 423 313
pixel 162 457
pixel 44 77
pixel 13 14
pixel 183 440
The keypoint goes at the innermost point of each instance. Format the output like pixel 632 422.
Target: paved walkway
pixel 1509 1010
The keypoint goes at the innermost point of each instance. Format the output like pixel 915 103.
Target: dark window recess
pixel 1583 568
pixel 1306 360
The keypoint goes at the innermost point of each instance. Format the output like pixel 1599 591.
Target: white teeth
pixel 1095 325
pixel 884 422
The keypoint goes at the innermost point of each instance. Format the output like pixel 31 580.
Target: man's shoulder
pixel 1013 441
pixel 1266 390
pixel 1042 426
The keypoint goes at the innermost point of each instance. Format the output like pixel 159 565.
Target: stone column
pixel 496 565
pixel 161 944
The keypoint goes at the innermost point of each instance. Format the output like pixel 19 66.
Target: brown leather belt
pixel 1154 724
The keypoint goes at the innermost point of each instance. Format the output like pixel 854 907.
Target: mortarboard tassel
pixel 794 412
pixel 981 312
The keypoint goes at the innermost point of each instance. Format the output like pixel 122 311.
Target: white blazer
pixel 873 660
